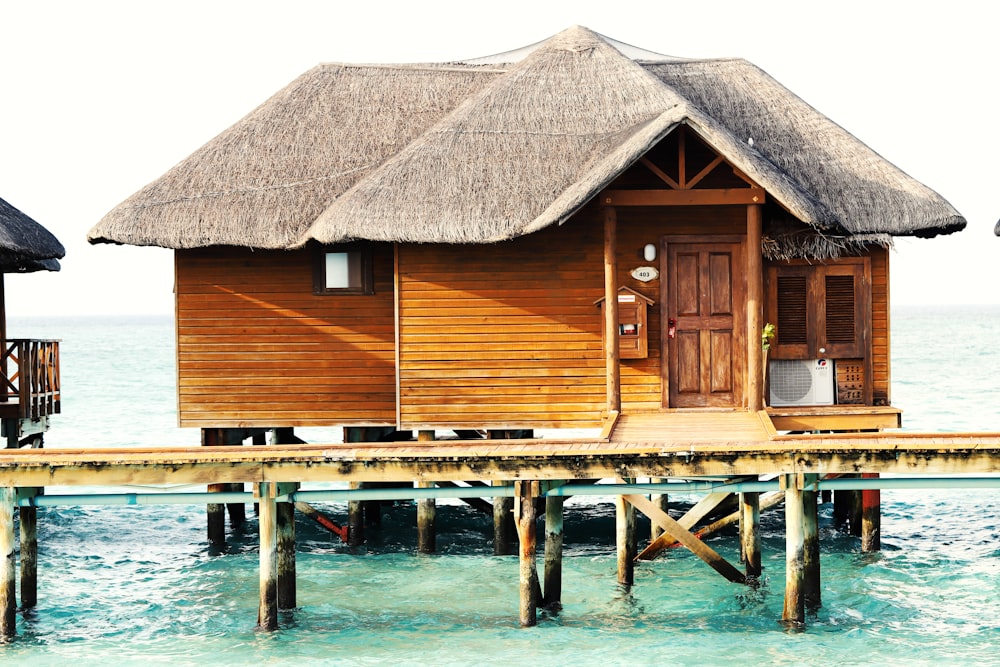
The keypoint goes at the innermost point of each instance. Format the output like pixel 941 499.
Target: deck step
pixel 692 427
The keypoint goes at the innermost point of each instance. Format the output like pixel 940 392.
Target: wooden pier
pixel 742 449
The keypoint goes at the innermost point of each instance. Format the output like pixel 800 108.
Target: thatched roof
pixel 25 245
pixel 482 151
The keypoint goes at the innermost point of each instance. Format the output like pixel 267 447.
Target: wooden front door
pixel 703 297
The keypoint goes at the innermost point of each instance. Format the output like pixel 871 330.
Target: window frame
pixel 361 253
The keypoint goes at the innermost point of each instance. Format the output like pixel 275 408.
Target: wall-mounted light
pixel 649 252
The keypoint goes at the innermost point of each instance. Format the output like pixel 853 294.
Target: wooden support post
pixel 755 309
pixel 871 518
pixel 355 519
pixel 8 599
pixel 811 595
pixel 611 348
pixel 663 503
pixel 503 524
pixel 267 611
pixel 625 540
pixel 237 511
pixel 552 587
pixel 854 520
pixel 842 509
pixel 215 512
pixel 426 510
pixel 750 533
pixel 29 556
pixel 285 520
pixel 530 590
pixel 426 515
pixel 794 609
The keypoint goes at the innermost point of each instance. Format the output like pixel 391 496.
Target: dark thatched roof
pixel 25 245
pixel 488 150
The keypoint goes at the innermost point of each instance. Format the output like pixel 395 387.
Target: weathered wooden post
pixel 750 532
pixel 503 512
pixel 285 527
pixel 503 523
pixel 871 517
pixel 8 600
pixel 811 592
pixel 29 556
pixel 524 511
pixel 662 502
pixel 267 611
pixel 355 518
pixel 426 510
pixel 552 586
pixel 625 540
pixel 215 512
pixel 794 609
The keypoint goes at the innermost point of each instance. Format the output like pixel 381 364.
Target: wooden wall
pixel 506 335
pixel 256 347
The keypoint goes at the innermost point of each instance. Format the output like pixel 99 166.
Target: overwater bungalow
pixel 551 238
pixel 29 368
pixel 678 257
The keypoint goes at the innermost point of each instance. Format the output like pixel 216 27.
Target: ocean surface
pixel 141 585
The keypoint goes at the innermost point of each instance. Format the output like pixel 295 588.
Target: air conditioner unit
pixel 802 382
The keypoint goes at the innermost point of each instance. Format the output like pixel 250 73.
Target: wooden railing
pixel 29 374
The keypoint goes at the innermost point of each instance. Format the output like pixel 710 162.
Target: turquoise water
pixel 140 585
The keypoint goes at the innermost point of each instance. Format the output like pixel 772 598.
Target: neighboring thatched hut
pixel 422 246
pixel 29 369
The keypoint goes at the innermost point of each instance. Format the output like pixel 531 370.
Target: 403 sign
pixel 645 273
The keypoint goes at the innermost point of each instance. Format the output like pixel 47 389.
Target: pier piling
pixel 625 540
pixel 267 611
pixel 529 588
pixel 29 556
pixel 426 510
pixel 750 532
pixel 285 526
pixel 811 595
pixel 503 524
pixel 8 600
pixel 793 613
pixel 552 585
pixel 871 518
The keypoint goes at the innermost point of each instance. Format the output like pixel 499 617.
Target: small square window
pixel 343 270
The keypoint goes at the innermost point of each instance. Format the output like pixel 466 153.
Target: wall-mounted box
pixel 633 331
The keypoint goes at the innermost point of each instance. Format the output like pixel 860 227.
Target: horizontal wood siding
pixel 256 347
pixel 503 336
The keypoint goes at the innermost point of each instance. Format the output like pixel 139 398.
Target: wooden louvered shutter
pixel 819 310
pixel 844 318
pixel 792 316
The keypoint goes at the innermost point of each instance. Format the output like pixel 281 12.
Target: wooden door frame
pixel 739 312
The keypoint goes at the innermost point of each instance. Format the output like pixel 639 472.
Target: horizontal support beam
pixel 728 197
pixel 406 493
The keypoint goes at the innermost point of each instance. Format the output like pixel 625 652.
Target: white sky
pixel 98 98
